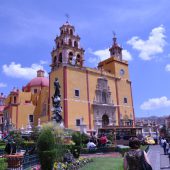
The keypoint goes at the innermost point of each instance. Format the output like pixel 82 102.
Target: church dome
pixel 40 80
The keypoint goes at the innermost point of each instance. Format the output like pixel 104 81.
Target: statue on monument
pixel 57 109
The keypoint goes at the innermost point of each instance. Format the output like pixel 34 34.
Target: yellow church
pixel 95 97
pixel 100 97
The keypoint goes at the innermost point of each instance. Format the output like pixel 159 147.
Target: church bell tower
pixel 67 49
pixel 116 50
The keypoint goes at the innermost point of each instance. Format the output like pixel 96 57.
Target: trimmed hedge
pixel 3 164
pixel 46 149
pixel 98 150
pixel 28 145
pixel 109 149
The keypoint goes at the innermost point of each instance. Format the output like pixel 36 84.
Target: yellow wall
pixel 76 79
pixel 23 113
pixel 77 106
pixel 40 112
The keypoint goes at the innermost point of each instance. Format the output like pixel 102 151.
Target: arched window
pixel 70 42
pixel 60 57
pixel 78 56
pixel 70 57
pixel 58 45
pixel 15 99
pixel 104 100
pixel 105 120
pixel 78 59
pixel 61 32
pixel 75 44
pixel 62 42
pixel 71 32
pixel 54 60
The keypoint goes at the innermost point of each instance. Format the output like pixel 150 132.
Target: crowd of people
pixel 95 142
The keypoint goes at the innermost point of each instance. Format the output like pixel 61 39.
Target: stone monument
pixel 57 109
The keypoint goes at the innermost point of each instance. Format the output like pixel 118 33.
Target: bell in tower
pixel 116 50
pixel 67 49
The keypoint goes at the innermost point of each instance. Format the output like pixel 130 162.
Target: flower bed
pixel 73 165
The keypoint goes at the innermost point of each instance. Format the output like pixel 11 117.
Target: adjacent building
pixel 24 107
pixel 2 106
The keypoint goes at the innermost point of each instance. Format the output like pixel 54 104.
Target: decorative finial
pixel 114 34
pixel 114 37
pixel 67 17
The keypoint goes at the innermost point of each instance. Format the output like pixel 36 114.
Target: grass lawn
pixel 104 164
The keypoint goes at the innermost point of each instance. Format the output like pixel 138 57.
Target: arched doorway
pixel 105 120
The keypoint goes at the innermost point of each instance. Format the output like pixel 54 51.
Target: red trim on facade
pixel 49 97
pixel 117 97
pixel 17 118
pixel 132 104
pixel 11 113
pixel 87 83
pixel 65 96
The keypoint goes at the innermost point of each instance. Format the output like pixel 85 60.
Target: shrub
pixel 46 149
pixel 80 139
pixel 123 150
pixel 28 144
pixel 3 164
pixel 16 136
pixel 75 150
pixel 35 134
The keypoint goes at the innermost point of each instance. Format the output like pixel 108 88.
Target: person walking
pixel 164 146
pixel 135 158
pixel 167 147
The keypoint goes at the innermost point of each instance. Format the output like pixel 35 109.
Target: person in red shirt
pixel 103 140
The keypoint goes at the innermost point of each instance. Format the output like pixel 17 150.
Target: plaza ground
pixel 113 160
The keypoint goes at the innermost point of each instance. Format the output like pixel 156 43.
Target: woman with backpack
pixel 135 158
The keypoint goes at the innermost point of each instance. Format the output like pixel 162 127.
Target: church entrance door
pixel 105 120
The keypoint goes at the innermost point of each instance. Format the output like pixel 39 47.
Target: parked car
pixel 149 140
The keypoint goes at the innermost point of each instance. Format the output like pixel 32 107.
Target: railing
pixel 30 160
pixel 14 161
pixel 21 162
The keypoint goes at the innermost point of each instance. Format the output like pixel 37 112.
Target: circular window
pixel 122 72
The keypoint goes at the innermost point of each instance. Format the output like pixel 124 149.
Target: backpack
pixel 134 159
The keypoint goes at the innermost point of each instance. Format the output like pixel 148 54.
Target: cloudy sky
pixel 28 29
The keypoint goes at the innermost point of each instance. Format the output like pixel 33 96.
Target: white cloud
pixel 152 46
pixel 104 54
pixel 3 85
pixel 126 55
pixel 167 67
pixel 17 71
pixel 42 62
pixel 155 103
pixel 93 60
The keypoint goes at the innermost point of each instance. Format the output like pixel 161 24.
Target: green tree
pixel 46 149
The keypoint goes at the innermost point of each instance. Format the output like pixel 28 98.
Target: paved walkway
pixel 157 158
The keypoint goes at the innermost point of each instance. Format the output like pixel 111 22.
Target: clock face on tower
pixel 122 72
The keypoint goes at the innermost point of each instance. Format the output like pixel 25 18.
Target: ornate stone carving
pixel 102 105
